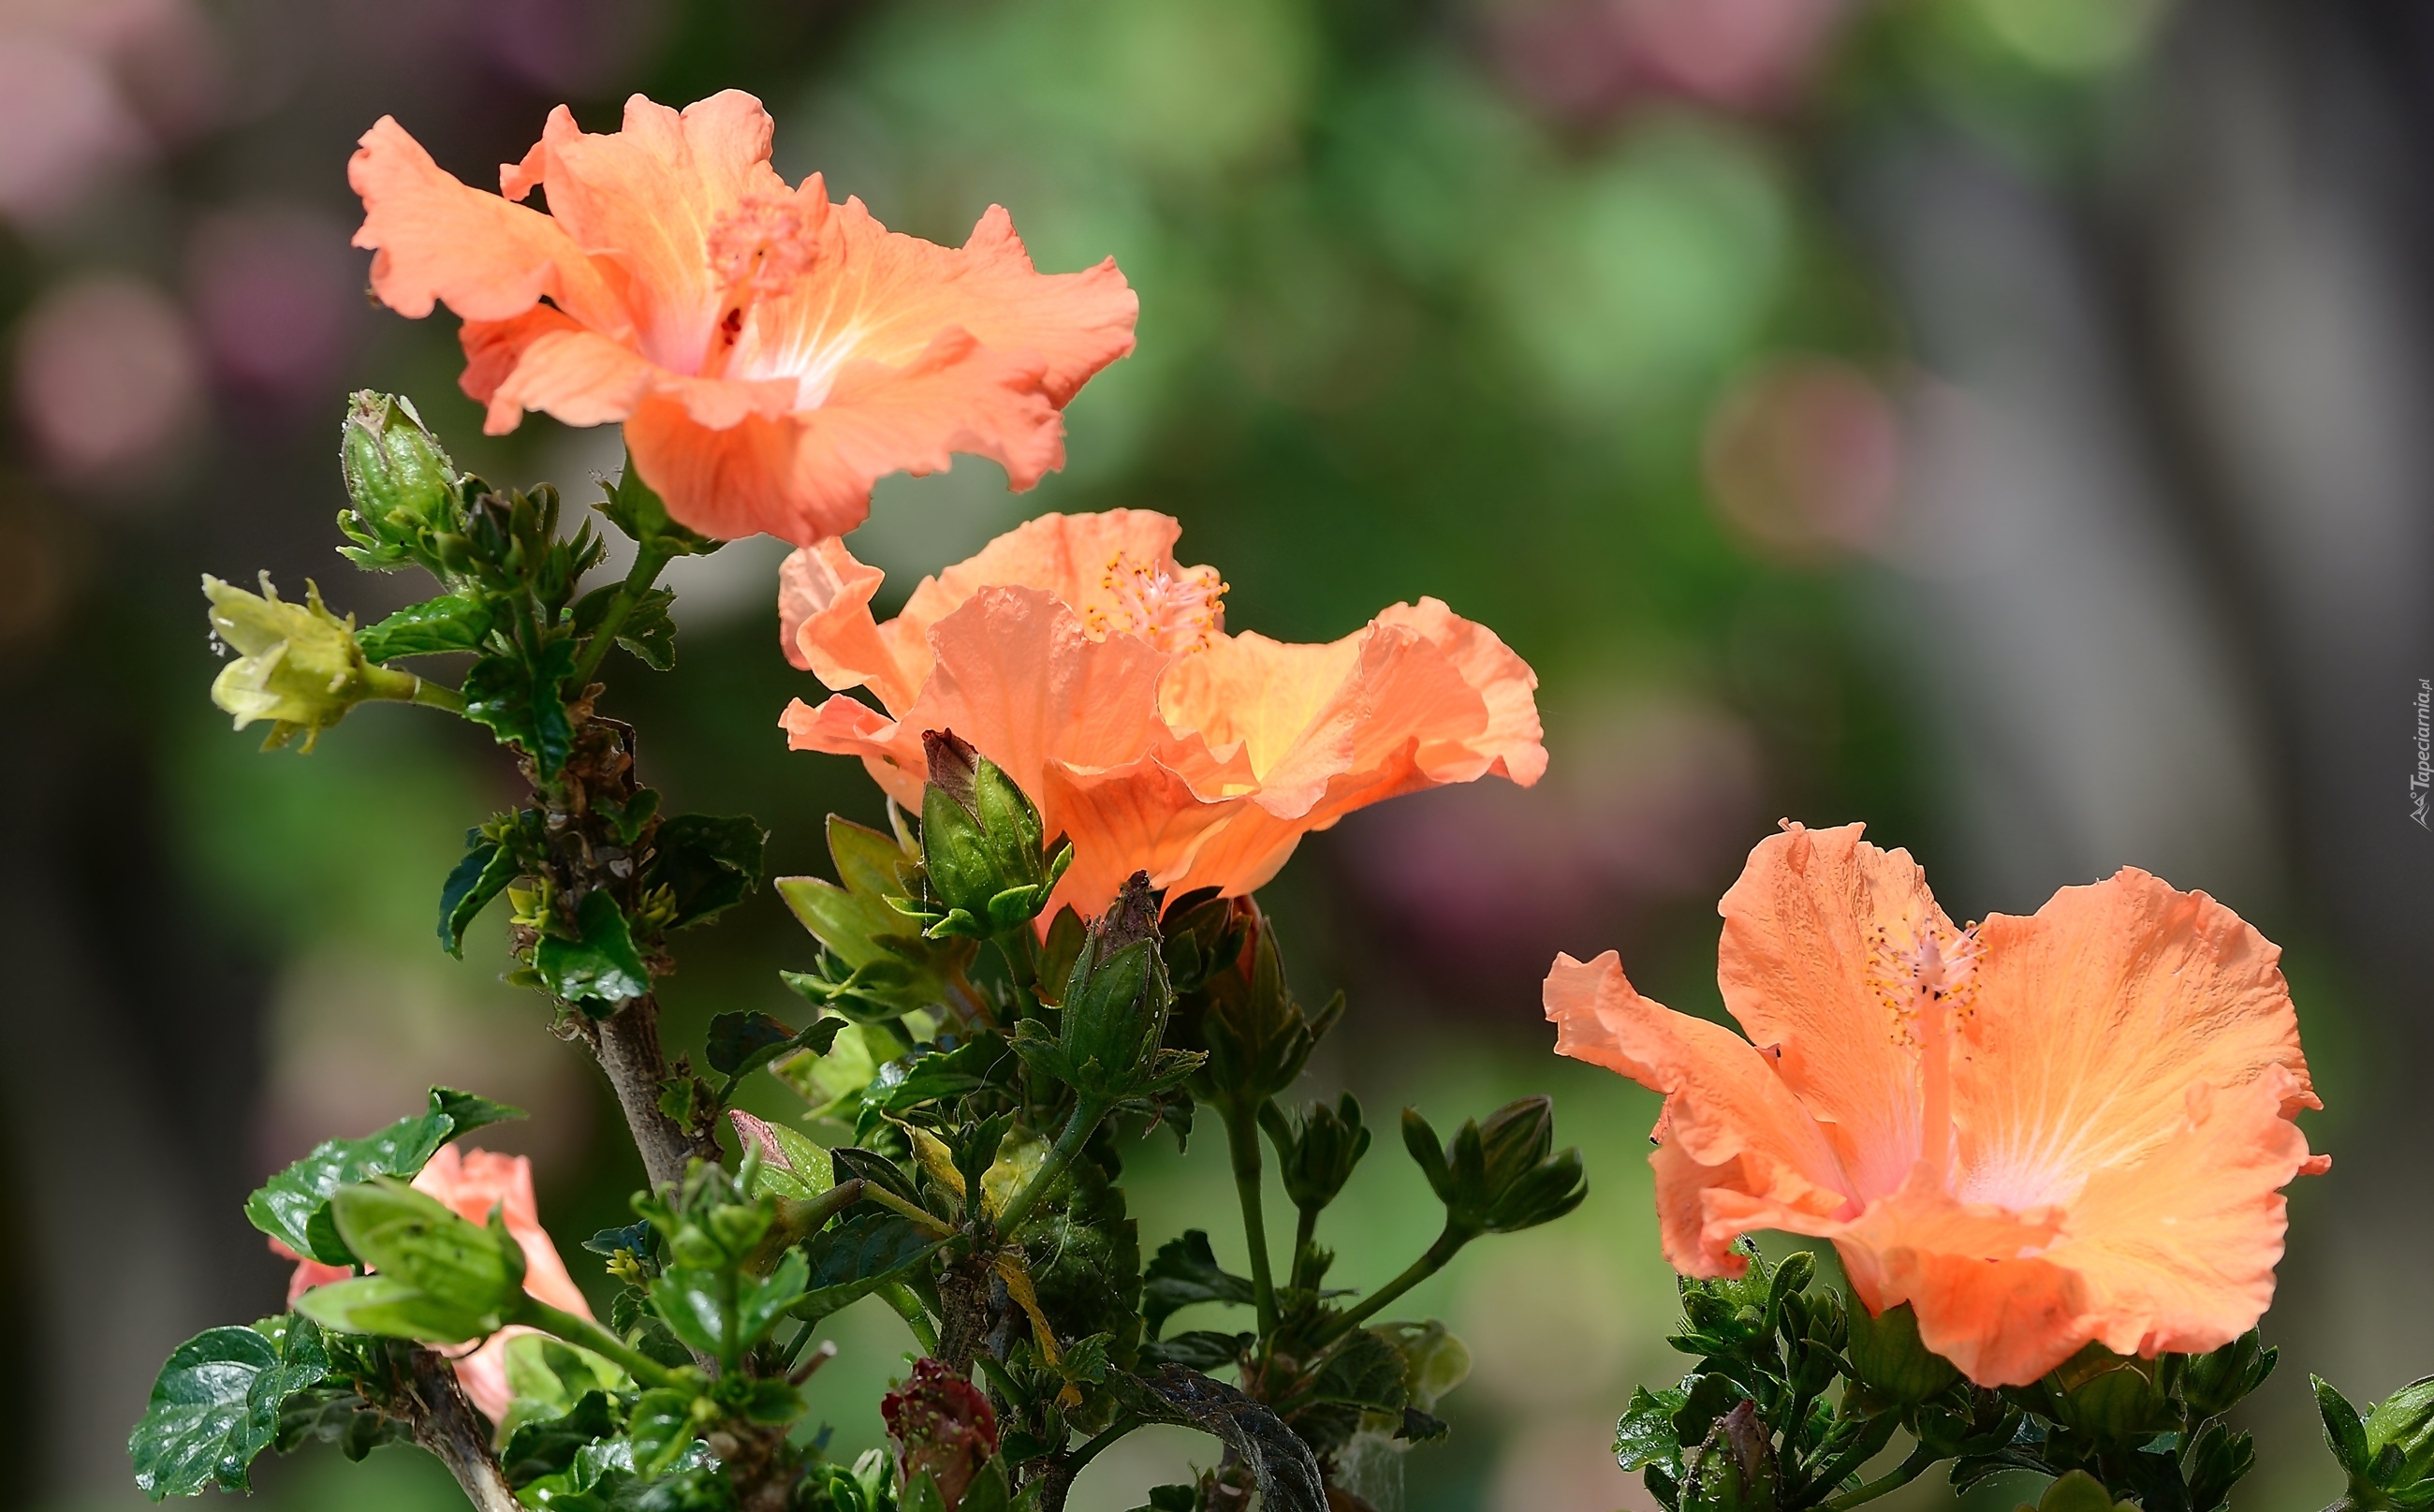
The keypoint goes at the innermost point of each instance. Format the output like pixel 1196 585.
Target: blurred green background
pixel 2004 421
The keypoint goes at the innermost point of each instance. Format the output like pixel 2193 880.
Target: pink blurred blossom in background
pixel 1591 59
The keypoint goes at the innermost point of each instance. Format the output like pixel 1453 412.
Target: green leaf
pixel 450 623
pixel 600 967
pixel 722 1312
pixel 523 705
pixel 438 1278
pixel 902 1085
pixel 791 1166
pixel 293 1206
pixel 741 1043
pixel 661 1428
pixel 1364 1370
pixel 549 1445
pixel 635 507
pixel 486 868
pixel 708 864
pixel 215 1405
pixel 649 632
pixel 1183 1273
pixel 1645 1434
pixel 2343 1432
pixel 851 1260
pixel 1202 1349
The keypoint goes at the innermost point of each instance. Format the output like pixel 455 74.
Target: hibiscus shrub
pixel 1006 993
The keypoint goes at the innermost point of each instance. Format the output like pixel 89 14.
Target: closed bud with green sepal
pixel 2214 1383
pixel 1887 1357
pixel 403 488
pixel 1113 1019
pixel 1317 1155
pixel 1500 1175
pixel 981 843
pixel 1733 1469
pixel 2109 1396
pixel 2389 1455
pixel 1243 1013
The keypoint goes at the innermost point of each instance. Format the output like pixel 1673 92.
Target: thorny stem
pixel 446 1424
pixel 1452 1239
pixel 1899 1476
pixel 1243 1144
pixel 648 562
pixel 1086 1114
pixel 582 1332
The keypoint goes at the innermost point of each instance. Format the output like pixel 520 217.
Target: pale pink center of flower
pixel 1174 610
pixel 1927 981
pixel 758 251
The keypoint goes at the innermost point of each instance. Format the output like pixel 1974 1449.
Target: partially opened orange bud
pixel 2038 1132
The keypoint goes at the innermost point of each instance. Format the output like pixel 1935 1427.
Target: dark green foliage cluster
pixel 991 1063
pixel 1761 1424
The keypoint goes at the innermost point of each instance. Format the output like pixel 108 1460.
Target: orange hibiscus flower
pixel 472 1183
pixel 771 354
pixel 2037 1132
pixel 1074 653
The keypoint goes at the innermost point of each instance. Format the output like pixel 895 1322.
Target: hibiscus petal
pixel 1733 1123
pixel 437 238
pixel 649 194
pixel 574 375
pixel 824 624
pixel 1794 963
pixel 1140 816
pixel 844 725
pixel 1067 555
pixel 1512 742
pixel 2094 1016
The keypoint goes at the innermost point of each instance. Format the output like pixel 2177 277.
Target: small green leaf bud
pixel 297 664
pixel 1733 1469
pixel 1499 1177
pixel 402 485
pixel 980 842
pixel 2213 1384
pixel 1316 1155
pixel 1887 1357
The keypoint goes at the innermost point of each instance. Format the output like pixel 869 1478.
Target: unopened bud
pixel 2390 1456
pixel 297 664
pixel 1318 1156
pixel 1116 997
pixel 1888 1358
pixel 1501 1175
pixel 980 842
pixel 2213 1384
pixel 1733 1469
pixel 402 486
pixel 2109 1396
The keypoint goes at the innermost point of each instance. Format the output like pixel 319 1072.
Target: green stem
pixel 1416 1272
pixel 405 687
pixel 589 1336
pixel 1243 1144
pixel 997 1376
pixel 1304 1236
pixel 908 1307
pixel 921 1217
pixel 1086 1114
pixel 648 562
pixel 1893 1480
pixel 1123 1424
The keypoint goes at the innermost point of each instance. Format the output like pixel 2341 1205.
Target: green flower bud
pixel 296 665
pixel 2390 1456
pixel 403 487
pixel 2213 1384
pixel 1499 1177
pixel 1318 1156
pixel 2079 1491
pixel 1258 1037
pixel 1888 1359
pixel 1116 997
pixel 1733 1469
pixel 2110 1396
pixel 981 843
pixel 438 1278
